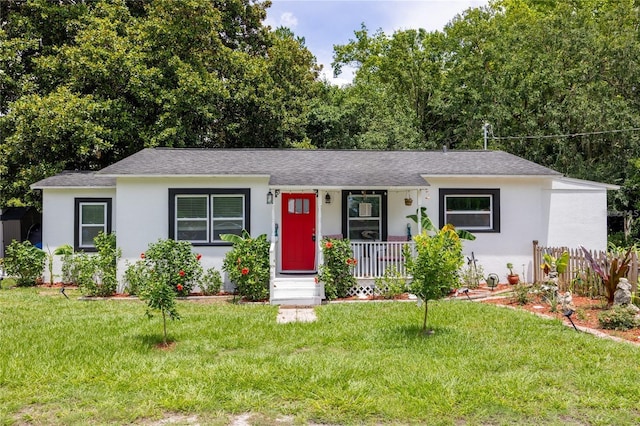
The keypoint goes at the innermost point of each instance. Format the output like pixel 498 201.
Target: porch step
pixel 296 291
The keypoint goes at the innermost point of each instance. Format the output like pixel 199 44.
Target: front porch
pixel 375 259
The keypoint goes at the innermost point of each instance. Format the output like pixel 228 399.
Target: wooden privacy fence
pixel 578 264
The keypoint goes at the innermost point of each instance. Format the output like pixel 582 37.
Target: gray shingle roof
pixel 74 179
pixel 325 167
pixel 329 168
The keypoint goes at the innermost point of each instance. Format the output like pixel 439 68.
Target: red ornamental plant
pixel 337 271
pixel 616 266
pixel 247 265
pixel 175 260
pixel 179 287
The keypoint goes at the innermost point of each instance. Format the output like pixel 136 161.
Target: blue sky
pixel 324 23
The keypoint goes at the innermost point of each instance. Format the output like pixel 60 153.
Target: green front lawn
pixel 75 362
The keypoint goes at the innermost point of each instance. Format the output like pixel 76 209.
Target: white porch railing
pixel 374 258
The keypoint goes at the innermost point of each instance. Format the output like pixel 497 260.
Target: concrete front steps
pixel 296 291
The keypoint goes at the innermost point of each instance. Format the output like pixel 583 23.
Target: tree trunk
pixel 164 325
pixel 424 323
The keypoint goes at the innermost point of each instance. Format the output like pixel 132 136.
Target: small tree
pixel 159 294
pixel 435 266
pixel 167 269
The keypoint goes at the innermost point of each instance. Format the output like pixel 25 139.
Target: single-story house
pixel 297 197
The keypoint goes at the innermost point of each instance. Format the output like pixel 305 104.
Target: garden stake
pixel 465 290
pixel 568 314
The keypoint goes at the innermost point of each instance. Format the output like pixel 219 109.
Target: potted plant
pixel 511 277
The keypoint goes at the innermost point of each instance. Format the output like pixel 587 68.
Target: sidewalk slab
pixel 295 314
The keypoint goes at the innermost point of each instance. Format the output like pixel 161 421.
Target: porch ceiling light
pixel 269 197
pixel 327 199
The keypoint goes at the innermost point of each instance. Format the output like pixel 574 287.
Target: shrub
pixel 174 261
pixel 471 275
pixel 618 318
pixel 521 294
pixel 25 262
pixel 391 284
pixel 211 282
pixel 337 270
pixel 135 275
pixel 97 274
pixel 247 265
pixel 82 267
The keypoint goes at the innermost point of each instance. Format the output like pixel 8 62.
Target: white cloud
pixel 431 14
pixel 288 19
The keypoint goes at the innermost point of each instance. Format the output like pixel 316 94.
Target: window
pixel 364 215
pixel 92 216
pixel 476 210
pixel 201 215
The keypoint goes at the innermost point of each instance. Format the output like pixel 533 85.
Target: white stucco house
pixel 298 196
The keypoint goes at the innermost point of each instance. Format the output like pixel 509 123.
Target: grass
pixel 76 362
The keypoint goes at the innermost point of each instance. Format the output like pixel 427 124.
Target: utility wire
pixel 568 135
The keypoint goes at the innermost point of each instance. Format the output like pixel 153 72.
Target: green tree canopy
pixel 90 82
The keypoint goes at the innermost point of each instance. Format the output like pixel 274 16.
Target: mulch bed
pixel 585 315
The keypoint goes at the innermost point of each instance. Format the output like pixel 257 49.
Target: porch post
pixel 272 251
pixel 319 256
pixel 419 214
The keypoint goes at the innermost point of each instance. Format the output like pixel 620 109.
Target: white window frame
pixel 80 203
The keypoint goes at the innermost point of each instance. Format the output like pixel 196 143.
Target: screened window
pixel 200 216
pixel 364 217
pixel 471 209
pixel 92 216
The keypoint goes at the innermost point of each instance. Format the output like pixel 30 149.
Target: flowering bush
pixel 337 271
pixel 172 260
pixel 247 265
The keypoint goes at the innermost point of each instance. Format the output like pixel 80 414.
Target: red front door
pixel 298 232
